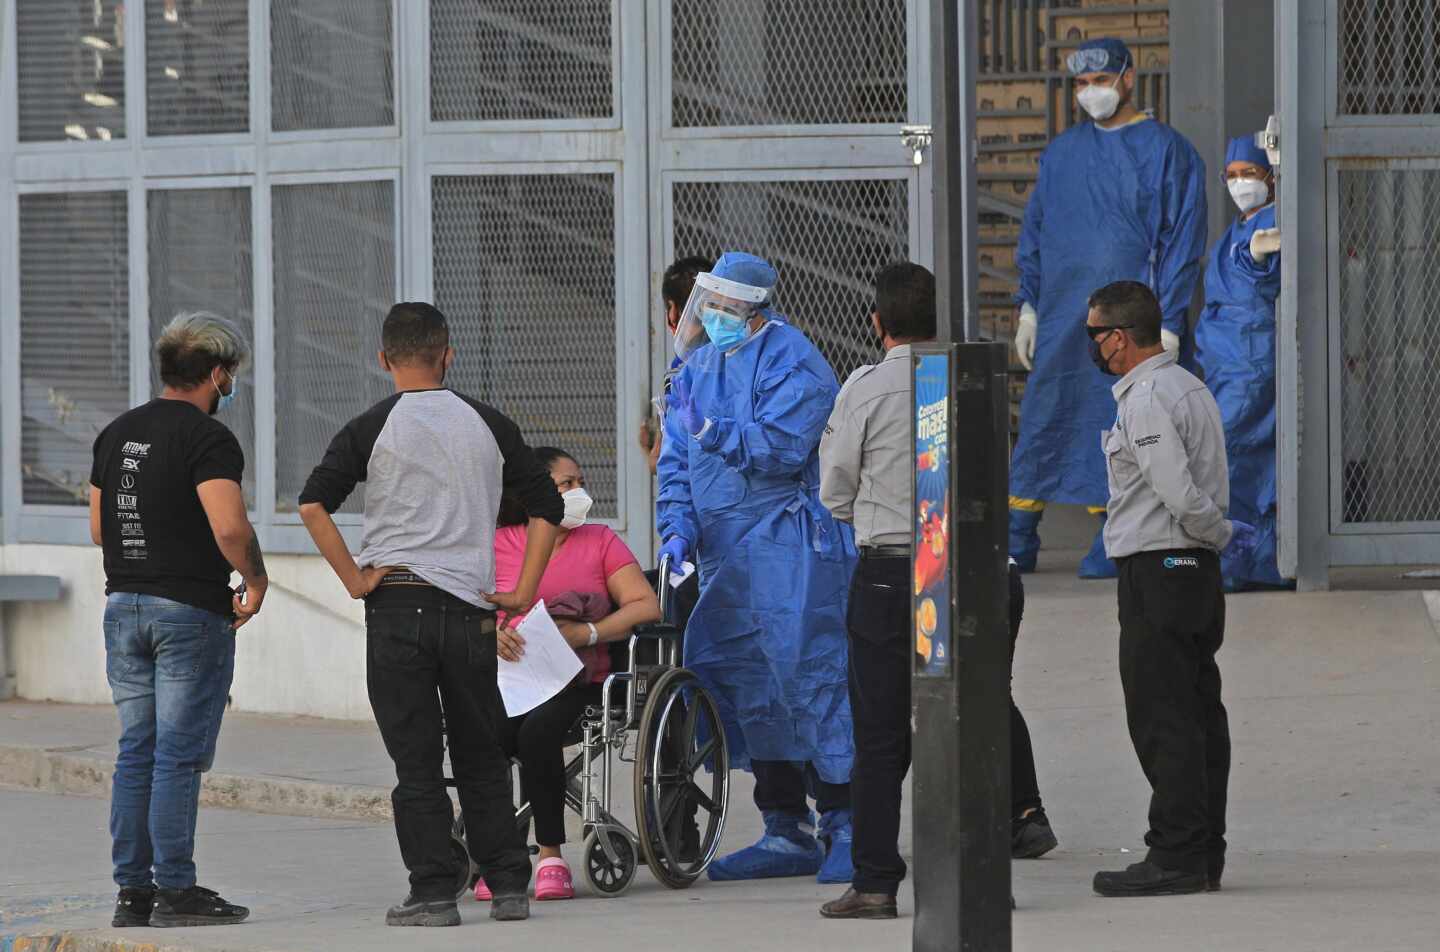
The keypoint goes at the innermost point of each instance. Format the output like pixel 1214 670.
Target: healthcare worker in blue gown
pixel 739 495
pixel 1119 198
pixel 1235 348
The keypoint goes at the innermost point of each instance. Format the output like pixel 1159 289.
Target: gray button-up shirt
pixel 1169 480
pixel 865 454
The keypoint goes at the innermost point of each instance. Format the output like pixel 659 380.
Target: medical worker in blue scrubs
pixel 1119 198
pixel 1235 348
pixel 739 495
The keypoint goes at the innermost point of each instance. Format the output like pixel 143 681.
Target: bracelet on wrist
pixel 594 634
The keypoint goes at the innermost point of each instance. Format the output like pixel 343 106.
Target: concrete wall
pixel 304 653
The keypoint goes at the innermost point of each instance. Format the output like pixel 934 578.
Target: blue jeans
pixel 169 667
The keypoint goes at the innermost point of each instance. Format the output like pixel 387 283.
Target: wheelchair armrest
pixel 659 631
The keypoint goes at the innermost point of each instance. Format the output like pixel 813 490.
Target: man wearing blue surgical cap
pixel 1119 198
pixel 1235 347
pixel 739 494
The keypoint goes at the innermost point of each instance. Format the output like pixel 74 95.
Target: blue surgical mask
pixel 725 330
pixel 226 399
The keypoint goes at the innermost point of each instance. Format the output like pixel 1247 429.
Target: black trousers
pixel 537 739
pixel 1172 622
pixel 782 786
pixel 426 648
pixel 880 660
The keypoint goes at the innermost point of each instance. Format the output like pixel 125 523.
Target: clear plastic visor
pixel 718 312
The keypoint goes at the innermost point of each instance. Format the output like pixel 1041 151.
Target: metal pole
pixel 953 72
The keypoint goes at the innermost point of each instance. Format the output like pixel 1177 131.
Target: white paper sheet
pixel 548 664
pixel 678 576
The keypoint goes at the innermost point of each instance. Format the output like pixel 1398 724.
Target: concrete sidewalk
pixel 1335 843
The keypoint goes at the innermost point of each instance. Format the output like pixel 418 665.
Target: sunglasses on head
pixel 1097 332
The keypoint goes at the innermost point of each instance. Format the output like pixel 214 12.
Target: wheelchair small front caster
pixel 609 878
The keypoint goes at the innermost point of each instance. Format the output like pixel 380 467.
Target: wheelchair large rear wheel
pixel 466 872
pixel 682 779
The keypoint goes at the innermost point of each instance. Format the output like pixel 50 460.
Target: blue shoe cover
pixel 1096 564
pixel 837 832
pixel 1025 538
pixel 788 848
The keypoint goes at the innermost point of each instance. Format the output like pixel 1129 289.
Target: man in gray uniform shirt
pixel 1169 492
pixel 435 463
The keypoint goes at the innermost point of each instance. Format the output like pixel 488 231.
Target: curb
pixel 64 771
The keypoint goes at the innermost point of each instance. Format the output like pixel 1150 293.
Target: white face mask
pixel 1101 102
pixel 1249 194
pixel 577 507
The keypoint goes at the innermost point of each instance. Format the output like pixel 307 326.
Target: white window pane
pixel 197 66
pixel 200 260
pixel 334 283
pixel 74 337
pixel 519 59
pixel 525 271
pixel 71 69
pixel 331 65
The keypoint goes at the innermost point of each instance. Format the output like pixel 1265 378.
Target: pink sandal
pixel 553 880
pixel 482 891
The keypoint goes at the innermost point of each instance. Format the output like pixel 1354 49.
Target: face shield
pixel 718 312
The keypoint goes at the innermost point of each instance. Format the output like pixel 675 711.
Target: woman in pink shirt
pixel 594 573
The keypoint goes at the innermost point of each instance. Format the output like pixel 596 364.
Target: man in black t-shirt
pixel 166 506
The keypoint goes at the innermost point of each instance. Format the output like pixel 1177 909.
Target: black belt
pixel 403 577
pixel 885 551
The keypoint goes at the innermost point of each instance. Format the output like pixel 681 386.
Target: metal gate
pixel 1360 387
pixel 776 128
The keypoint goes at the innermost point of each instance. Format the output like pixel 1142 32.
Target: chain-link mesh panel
pixel 71 69
pixel 200 260
pixel 331 64
pixel 74 337
pixel 521 60
pixel 788 62
pixel 1389 278
pixel 1389 57
pixel 334 282
pixel 197 66
pixel 525 271
pixel 827 239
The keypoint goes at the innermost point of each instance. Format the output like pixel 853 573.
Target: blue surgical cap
pixel 1117 57
pixel 1244 149
pixel 744 268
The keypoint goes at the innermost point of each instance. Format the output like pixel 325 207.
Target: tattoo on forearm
pixel 254 558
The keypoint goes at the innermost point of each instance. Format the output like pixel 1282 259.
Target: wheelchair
pixel 655 715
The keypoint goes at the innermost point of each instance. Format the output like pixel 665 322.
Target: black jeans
pixel 537 739
pixel 880 661
pixel 1172 622
pixel 427 648
pixel 782 786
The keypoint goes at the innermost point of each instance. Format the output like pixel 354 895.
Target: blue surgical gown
pixel 1235 346
pixel 1128 204
pixel 767 636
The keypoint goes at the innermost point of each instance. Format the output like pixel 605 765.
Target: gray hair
pixel 193 344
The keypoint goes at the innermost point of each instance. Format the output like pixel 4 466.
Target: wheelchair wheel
pixel 609 879
pixel 682 770
pixel 467 873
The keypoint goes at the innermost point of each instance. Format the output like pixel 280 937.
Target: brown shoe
pixel 858 905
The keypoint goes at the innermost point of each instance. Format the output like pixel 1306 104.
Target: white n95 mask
pixel 577 507
pixel 1100 102
pixel 1249 194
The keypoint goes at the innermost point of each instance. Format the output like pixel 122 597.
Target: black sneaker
pixel 132 907
pixel 196 906
pixel 1147 879
pixel 1031 836
pixel 510 908
pixel 421 912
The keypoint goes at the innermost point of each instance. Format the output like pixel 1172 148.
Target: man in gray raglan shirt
pixel 434 464
pixel 1167 530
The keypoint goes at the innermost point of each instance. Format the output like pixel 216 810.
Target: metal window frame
pixel 341 133
pixel 1333 117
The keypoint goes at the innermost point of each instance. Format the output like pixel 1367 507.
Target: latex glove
pixel 1025 335
pixel 1170 340
pixel 675 548
pixel 1242 540
pixel 683 406
pixel 1264 243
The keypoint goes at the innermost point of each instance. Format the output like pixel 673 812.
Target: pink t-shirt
pixel 583 563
